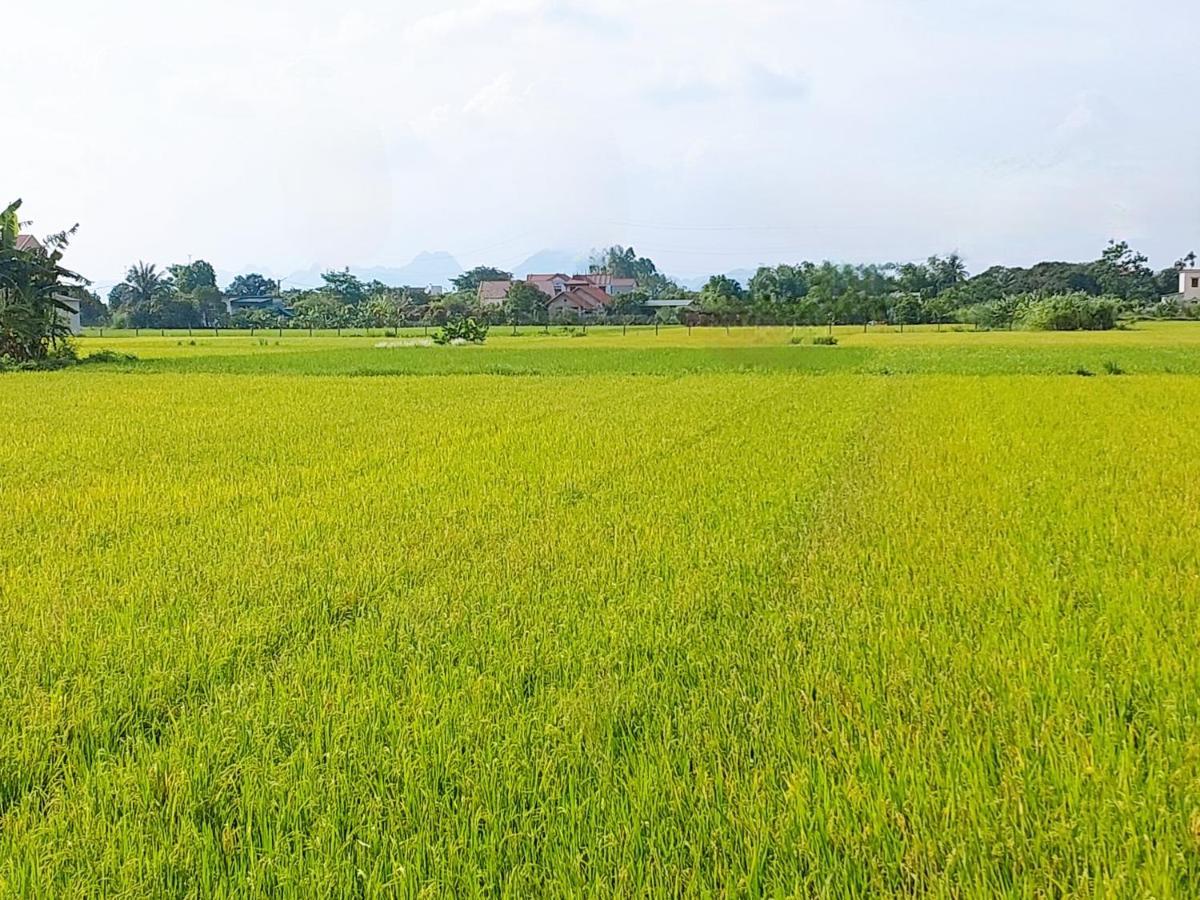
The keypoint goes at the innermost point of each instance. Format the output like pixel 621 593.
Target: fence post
pixel 137 332
pixel 656 327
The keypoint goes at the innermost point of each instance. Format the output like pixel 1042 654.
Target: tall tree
pixel 1122 272
pixel 346 287
pixel 190 276
pixel 252 285
pixel 145 285
pixel 622 262
pixel 524 301
pixel 946 272
pixel 721 293
pixel 470 280
pixel 91 310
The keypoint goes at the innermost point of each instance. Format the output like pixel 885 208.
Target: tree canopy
pixel 188 277
pixel 33 282
pixel 252 285
pixel 470 280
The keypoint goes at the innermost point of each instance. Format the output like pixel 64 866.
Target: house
pixel 555 283
pixel 493 293
pixel 611 284
pixel 582 299
pixel 584 294
pixel 1189 287
pixel 253 304
pixel 70 315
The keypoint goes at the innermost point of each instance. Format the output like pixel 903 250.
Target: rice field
pixel 714 616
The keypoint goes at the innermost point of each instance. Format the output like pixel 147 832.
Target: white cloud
pixel 283 134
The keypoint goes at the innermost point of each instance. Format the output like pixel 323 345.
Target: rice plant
pixel 677 633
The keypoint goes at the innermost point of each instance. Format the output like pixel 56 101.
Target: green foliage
pixel 825 340
pixel 722 294
pixel 1122 273
pixel 462 329
pixel 189 277
pixel 345 286
pixel 470 281
pixel 252 285
pixel 148 298
pixel 92 311
pixel 1067 312
pixel 32 284
pixel 622 262
pixel 524 302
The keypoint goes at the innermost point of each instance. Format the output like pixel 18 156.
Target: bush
pixel 46 364
pixel 462 330
pixel 1068 312
pixel 109 356
pixel 825 340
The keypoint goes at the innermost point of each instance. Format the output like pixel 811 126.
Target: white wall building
pixel 70 316
pixel 1189 286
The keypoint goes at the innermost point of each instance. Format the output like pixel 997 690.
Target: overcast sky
pixel 709 135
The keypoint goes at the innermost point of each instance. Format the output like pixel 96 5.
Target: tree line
pixel 940 289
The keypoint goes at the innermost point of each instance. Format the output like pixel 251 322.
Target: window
pixel 1196 282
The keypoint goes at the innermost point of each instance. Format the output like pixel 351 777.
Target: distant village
pixel 620 286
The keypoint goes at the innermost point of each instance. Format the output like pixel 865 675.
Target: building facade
pixel 584 294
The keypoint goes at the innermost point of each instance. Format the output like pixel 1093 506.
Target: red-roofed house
pixel 585 294
pixel 584 299
pixel 611 284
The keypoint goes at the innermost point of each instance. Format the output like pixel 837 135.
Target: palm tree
pixel 146 285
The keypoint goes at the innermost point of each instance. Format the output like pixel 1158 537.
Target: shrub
pixel 1067 312
pixel 1111 368
pixel 462 330
pixel 825 340
pixel 109 356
